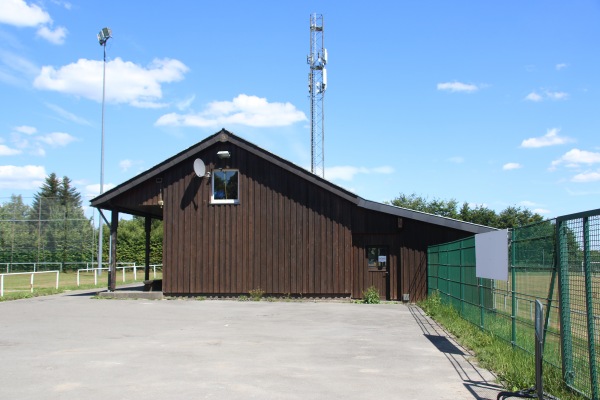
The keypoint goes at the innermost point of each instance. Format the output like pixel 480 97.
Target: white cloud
pixel 56 139
pixel 7 151
pixel 15 69
pixel 28 130
pixel 242 110
pixel 456 160
pixel 68 115
pixel 457 87
pixel 127 164
pixel 534 207
pixel 557 95
pixel 185 104
pixel 18 13
pixel 347 172
pixel 94 189
pixel 533 96
pixel 546 95
pixel 56 36
pixel 28 177
pixel 527 203
pixel 584 177
pixel 541 211
pixel 575 157
pixel 551 138
pixel 126 82
pixel 25 139
pixel 561 66
pixel 511 166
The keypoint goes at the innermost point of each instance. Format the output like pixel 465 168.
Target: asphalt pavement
pixel 73 346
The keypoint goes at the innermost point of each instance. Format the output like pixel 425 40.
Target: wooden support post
pixel 112 273
pixel 148 224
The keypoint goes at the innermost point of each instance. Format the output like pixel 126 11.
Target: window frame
pixel 378 267
pixel 212 191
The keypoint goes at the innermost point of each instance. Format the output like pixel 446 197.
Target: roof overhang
pixel 424 217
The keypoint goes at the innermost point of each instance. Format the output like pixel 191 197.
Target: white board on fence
pixel 491 255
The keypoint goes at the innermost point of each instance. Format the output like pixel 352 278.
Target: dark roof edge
pixel 153 171
pixel 424 217
pixel 238 141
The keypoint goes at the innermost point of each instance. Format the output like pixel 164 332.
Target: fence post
pixel 589 303
pixel 1 285
pixel 566 337
pixel 481 301
pixel 31 282
pixel 57 273
pixel 513 291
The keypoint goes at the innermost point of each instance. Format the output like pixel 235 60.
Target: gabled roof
pixel 104 200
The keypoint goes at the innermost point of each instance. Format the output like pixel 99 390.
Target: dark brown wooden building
pixel 255 220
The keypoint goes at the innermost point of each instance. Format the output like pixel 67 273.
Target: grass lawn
pixel 18 286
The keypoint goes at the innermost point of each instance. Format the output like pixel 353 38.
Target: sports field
pixel 18 284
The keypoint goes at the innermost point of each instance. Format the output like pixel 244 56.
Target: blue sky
pixel 492 103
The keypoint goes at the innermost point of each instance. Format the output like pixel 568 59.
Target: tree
pixel 131 241
pixel 62 232
pixel 479 215
pixel 511 217
pixel 16 241
pixel 68 194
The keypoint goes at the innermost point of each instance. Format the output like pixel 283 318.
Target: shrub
pixel 371 296
pixel 256 294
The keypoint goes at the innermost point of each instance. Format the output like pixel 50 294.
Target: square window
pixel 377 258
pixel 225 186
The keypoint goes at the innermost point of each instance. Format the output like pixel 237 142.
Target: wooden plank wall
pixel 285 236
pixel 372 228
pixel 416 237
pixel 407 252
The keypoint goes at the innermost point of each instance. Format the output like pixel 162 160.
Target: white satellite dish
pixel 199 168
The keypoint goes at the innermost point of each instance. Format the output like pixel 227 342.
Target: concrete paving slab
pixel 71 346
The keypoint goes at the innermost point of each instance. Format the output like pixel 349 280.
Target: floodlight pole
pixel 103 37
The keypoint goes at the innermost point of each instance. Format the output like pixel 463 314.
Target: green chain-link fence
pixel 48 235
pixel 578 255
pixel 569 248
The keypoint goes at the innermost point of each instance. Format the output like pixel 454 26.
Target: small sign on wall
pixel 491 255
pixel 382 259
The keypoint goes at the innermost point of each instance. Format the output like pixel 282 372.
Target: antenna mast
pixel 317 83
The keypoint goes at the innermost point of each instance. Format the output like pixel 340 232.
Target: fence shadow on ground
pixel 480 382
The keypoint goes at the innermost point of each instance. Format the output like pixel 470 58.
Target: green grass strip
pixel 514 368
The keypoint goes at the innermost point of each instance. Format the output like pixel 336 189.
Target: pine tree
pixel 61 228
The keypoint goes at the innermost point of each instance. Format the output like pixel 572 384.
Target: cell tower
pixel 317 83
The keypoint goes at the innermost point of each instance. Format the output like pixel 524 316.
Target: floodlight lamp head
pixel 223 154
pixel 104 35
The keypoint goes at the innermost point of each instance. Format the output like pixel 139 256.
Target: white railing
pixel 34 266
pixel 8 266
pixel 134 267
pixel 30 280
